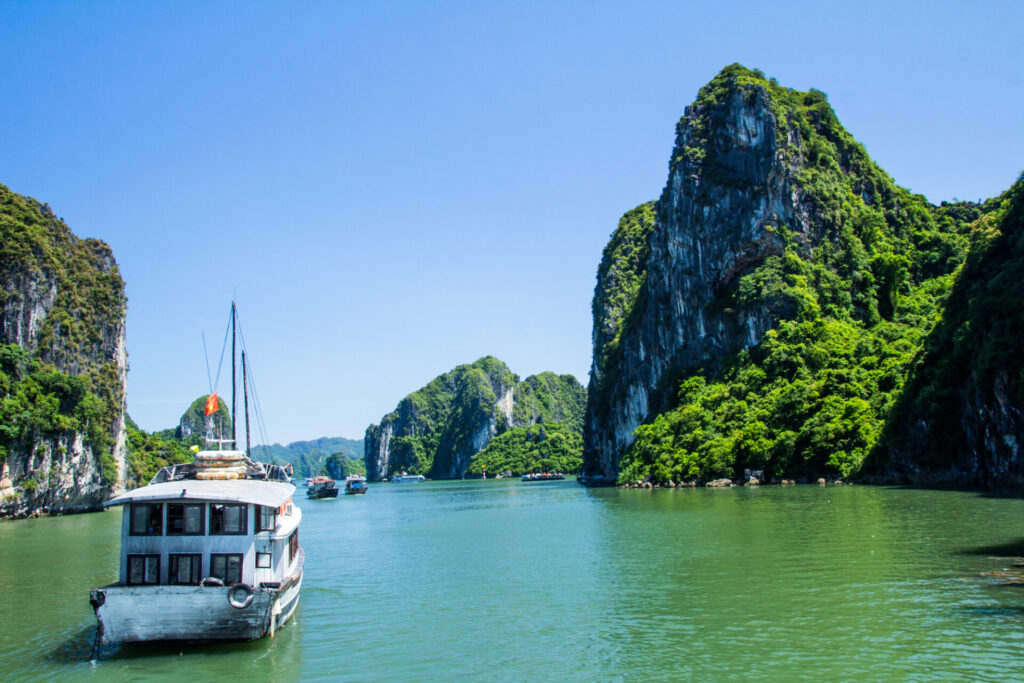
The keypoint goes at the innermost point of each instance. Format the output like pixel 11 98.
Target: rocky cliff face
pixel 765 311
pixel 727 188
pixel 438 429
pixel 62 313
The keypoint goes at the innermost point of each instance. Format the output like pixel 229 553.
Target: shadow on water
pixel 993 611
pixel 1008 549
pixel 160 649
pixel 75 648
pixel 999 492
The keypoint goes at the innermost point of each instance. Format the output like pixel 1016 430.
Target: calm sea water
pixel 500 580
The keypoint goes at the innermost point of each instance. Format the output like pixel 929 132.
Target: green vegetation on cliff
pixel 544 447
pixel 620 294
pixel 549 398
pixel 89 299
pixel 439 430
pixel 965 399
pixel 40 403
pixel 37 401
pixel 853 300
pixel 436 421
pixel 147 453
pixel 77 385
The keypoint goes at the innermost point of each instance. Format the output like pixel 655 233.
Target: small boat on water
pixel 543 476
pixel 322 487
pixel 355 484
pixel 399 478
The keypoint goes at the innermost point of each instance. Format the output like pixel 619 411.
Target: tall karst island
pixel 479 417
pixel 785 307
pixel 62 364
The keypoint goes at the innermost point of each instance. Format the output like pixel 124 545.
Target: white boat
pixel 398 478
pixel 355 484
pixel 209 549
pixel 215 559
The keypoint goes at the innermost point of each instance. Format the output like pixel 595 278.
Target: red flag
pixel 211 404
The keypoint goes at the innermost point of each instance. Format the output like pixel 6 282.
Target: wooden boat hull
pixel 136 614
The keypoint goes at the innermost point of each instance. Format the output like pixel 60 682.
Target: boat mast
pixel 245 395
pixel 234 402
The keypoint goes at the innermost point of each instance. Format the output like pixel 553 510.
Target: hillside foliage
pixel 975 351
pixel 38 402
pixel 73 342
pixel 443 421
pixel 811 399
pixel 537 448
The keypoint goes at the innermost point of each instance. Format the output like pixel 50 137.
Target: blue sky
pixel 391 189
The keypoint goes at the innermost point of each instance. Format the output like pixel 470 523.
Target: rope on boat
pixel 95 654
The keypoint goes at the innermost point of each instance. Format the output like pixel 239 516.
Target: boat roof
pixel 257 491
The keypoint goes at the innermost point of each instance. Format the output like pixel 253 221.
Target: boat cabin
pixel 185 532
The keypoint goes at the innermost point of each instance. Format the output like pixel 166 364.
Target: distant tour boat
pixel 204 556
pixel 322 487
pixel 543 476
pixel 398 478
pixel 355 484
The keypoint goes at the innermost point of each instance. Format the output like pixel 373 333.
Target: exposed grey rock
pixel 61 474
pixel 709 231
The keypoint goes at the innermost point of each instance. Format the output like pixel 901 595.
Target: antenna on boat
pixel 245 396
pixel 234 382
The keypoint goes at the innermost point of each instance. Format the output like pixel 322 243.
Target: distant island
pixel 470 420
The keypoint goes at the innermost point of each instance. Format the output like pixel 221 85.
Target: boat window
pixel 266 520
pixel 184 519
pixel 185 570
pixel 227 568
pixel 263 560
pixel 143 569
pixel 293 546
pixel 227 519
pixel 147 519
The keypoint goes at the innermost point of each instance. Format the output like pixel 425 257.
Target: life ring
pixel 240 595
pixel 211 581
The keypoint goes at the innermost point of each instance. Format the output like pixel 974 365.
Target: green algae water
pixel 500 580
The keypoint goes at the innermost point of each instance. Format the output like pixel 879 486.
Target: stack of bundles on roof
pixel 220 465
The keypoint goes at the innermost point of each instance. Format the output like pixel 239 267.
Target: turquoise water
pixel 500 580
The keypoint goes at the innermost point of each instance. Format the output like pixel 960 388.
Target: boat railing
pixel 175 473
pixel 254 470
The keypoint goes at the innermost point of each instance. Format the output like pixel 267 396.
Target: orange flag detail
pixel 211 404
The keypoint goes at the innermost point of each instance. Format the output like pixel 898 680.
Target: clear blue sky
pixel 396 188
